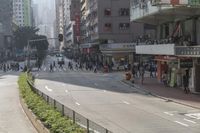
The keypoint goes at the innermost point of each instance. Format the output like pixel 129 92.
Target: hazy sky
pixel 46 17
pixel 46 10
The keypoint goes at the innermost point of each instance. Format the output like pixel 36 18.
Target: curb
pixel 35 122
pixel 155 95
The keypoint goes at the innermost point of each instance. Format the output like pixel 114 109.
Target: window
pixel 107 27
pixel 1 27
pixel 107 12
pixel 124 26
pixel 124 12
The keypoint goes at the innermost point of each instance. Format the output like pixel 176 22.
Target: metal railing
pixel 77 118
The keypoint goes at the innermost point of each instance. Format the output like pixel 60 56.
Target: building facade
pixel 106 28
pixel 177 41
pixel 5 28
pixel 71 22
pixel 22 12
pixel 59 4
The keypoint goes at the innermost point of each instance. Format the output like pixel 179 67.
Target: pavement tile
pixel 175 94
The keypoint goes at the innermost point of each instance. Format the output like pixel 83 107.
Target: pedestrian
pixel 151 69
pixel 142 72
pixel 186 82
pixel 51 68
pixel 164 78
pixel 54 64
pixel 95 69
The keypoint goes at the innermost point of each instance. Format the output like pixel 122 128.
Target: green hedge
pixel 50 117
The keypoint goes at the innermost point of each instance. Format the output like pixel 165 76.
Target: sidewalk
pixel 12 117
pixel 151 85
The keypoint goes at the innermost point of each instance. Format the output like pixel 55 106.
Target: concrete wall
pixel 5 20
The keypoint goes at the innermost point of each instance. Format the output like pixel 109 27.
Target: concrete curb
pixel 155 95
pixel 36 123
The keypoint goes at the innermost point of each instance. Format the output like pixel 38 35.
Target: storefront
pixel 175 68
pixel 118 54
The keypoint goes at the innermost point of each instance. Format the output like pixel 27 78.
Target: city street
pixel 104 99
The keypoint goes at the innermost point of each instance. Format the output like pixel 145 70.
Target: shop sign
pixel 189 51
pixel 186 63
pixel 118 46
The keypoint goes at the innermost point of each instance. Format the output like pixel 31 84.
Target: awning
pixel 88 45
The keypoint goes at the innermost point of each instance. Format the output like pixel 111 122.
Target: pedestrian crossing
pixel 186 119
pixel 63 69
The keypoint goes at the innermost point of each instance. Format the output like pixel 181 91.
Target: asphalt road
pixel 122 109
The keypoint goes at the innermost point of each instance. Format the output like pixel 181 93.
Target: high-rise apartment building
pixel 71 22
pixel 68 21
pixel 22 12
pixel 106 29
pixel 59 4
pixel 5 28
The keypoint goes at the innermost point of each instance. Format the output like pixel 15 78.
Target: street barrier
pixel 77 118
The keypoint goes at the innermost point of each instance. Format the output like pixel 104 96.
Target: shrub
pixel 51 118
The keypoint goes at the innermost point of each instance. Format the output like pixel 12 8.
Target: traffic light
pixel 60 37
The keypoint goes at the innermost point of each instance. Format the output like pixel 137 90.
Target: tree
pixel 41 47
pixel 23 34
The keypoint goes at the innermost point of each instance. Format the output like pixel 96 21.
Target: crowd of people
pixel 14 66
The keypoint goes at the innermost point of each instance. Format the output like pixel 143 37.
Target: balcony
pixel 160 11
pixel 168 49
pixel 188 51
pixel 159 49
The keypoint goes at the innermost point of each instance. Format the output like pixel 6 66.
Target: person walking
pixel 142 72
pixel 51 68
pixel 151 69
pixel 186 82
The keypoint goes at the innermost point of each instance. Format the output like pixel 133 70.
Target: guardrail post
pixel 47 99
pixel 74 117
pixel 88 126
pixel 63 110
pixel 54 103
pixel 106 130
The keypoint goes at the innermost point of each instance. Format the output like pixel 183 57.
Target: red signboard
pixel 77 25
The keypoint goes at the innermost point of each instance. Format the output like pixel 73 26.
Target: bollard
pixel 54 103
pixel 63 110
pixel 48 99
pixel 88 126
pixel 74 117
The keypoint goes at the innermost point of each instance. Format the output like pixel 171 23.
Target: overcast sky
pixel 46 17
pixel 46 10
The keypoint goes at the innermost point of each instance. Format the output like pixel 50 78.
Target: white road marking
pixel 169 113
pixel 183 124
pixel 48 88
pixel 190 121
pixel 126 102
pixel 104 91
pixel 194 115
pixel 77 103
pixel 66 91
